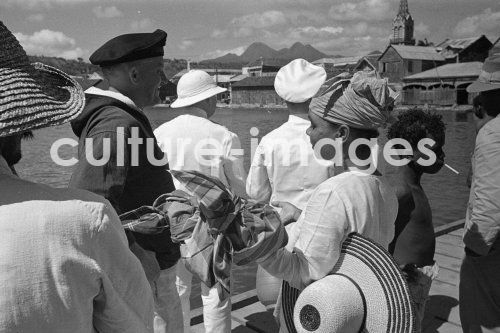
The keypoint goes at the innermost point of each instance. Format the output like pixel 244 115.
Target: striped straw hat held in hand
pixel 33 95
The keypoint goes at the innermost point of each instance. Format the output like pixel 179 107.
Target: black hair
pixel 415 124
pixel 490 102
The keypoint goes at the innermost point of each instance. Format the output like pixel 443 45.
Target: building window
pixel 410 66
pixel 384 67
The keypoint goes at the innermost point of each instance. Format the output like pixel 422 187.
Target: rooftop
pixel 337 61
pixel 464 69
pixel 256 81
pixel 450 47
pixel 417 52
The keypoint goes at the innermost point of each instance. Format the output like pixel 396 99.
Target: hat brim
pixel 388 302
pixel 478 86
pixel 38 96
pixel 187 101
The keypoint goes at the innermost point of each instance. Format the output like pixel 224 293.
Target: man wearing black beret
pixel 114 157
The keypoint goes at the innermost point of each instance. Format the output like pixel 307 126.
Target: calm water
pixel 447 191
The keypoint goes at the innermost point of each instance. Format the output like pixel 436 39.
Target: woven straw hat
pixel 33 95
pixel 366 292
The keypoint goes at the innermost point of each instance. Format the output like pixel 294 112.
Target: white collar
pixel 113 93
pixel 4 167
pixel 297 120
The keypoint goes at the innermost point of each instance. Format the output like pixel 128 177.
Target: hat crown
pixel 194 83
pixel 343 298
pixel 299 80
pixel 11 53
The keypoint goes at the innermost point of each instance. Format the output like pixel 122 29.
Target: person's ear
pixel 133 74
pixel 343 132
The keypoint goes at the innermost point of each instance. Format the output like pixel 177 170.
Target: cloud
pixel 366 10
pixel 219 33
pixel 422 29
pixel 141 25
pixel 107 12
pixel 260 20
pixel 36 18
pixel 186 44
pixel 44 3
pixel 50 43
pixel 304 33
pixel 219 53
pixel 484 23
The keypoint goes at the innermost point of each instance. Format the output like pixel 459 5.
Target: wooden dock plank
pixel 448 262
pixel 450 250
pixel 450 239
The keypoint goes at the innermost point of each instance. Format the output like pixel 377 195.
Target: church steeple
pixel 402 26
pixel 403 8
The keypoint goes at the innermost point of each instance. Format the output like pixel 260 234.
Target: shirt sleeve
pixel 484 222
pixel 125 302
pixel 108 179
pixel 258 183
pixel 233 166
pixel 322 229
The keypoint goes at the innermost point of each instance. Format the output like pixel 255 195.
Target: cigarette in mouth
pixel 449 167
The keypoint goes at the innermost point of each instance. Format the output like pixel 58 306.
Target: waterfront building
pixel 443 85
pixel 255 90
pixel 399 61
pixel 368 63
pixel 465 49
pixel 264 67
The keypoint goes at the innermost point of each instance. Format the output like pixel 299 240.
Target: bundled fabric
pixel 215 227
pixel 363 101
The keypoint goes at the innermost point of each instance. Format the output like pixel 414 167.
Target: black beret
pixel 130 47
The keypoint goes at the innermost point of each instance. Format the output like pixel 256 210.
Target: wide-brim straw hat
pixel 195 86
pixel 366 292
pixel 33 95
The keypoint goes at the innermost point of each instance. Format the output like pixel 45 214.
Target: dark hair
pixel 476 107
pixel 415 124
pixel 490 102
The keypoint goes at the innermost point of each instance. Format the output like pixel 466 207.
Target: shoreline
pixel 398 108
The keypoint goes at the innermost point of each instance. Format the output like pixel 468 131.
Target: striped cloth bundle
pixel 215 227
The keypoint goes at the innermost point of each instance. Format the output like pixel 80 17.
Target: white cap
pixel 195 86
pixel 299 81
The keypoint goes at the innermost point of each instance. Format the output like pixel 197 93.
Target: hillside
pixel 260 50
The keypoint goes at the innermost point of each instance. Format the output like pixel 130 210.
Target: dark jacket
pixel 126 186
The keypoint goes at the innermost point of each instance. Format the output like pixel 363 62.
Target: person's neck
pixel 409 174
pixel 126 94
pixel 195 110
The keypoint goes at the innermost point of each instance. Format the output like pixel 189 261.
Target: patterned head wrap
pixel 363 101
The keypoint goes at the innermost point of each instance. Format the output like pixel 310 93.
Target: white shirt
pixel 284 167
pixel 350 202
pixel 65 263
pixel 192 142
pixel 482 222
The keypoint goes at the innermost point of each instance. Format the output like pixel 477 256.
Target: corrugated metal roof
pixel 338 61
pixel 450 47
pixel 256 81
pixel 418 52
pixel 237 78
pixel 463 69
pixel 268 62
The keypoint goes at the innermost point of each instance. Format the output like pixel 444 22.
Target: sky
pixel 204 29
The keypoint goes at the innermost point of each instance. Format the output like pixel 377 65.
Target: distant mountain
pixel 260 50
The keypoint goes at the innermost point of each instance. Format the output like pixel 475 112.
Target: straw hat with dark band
pixel 33 95
pixel 366 292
